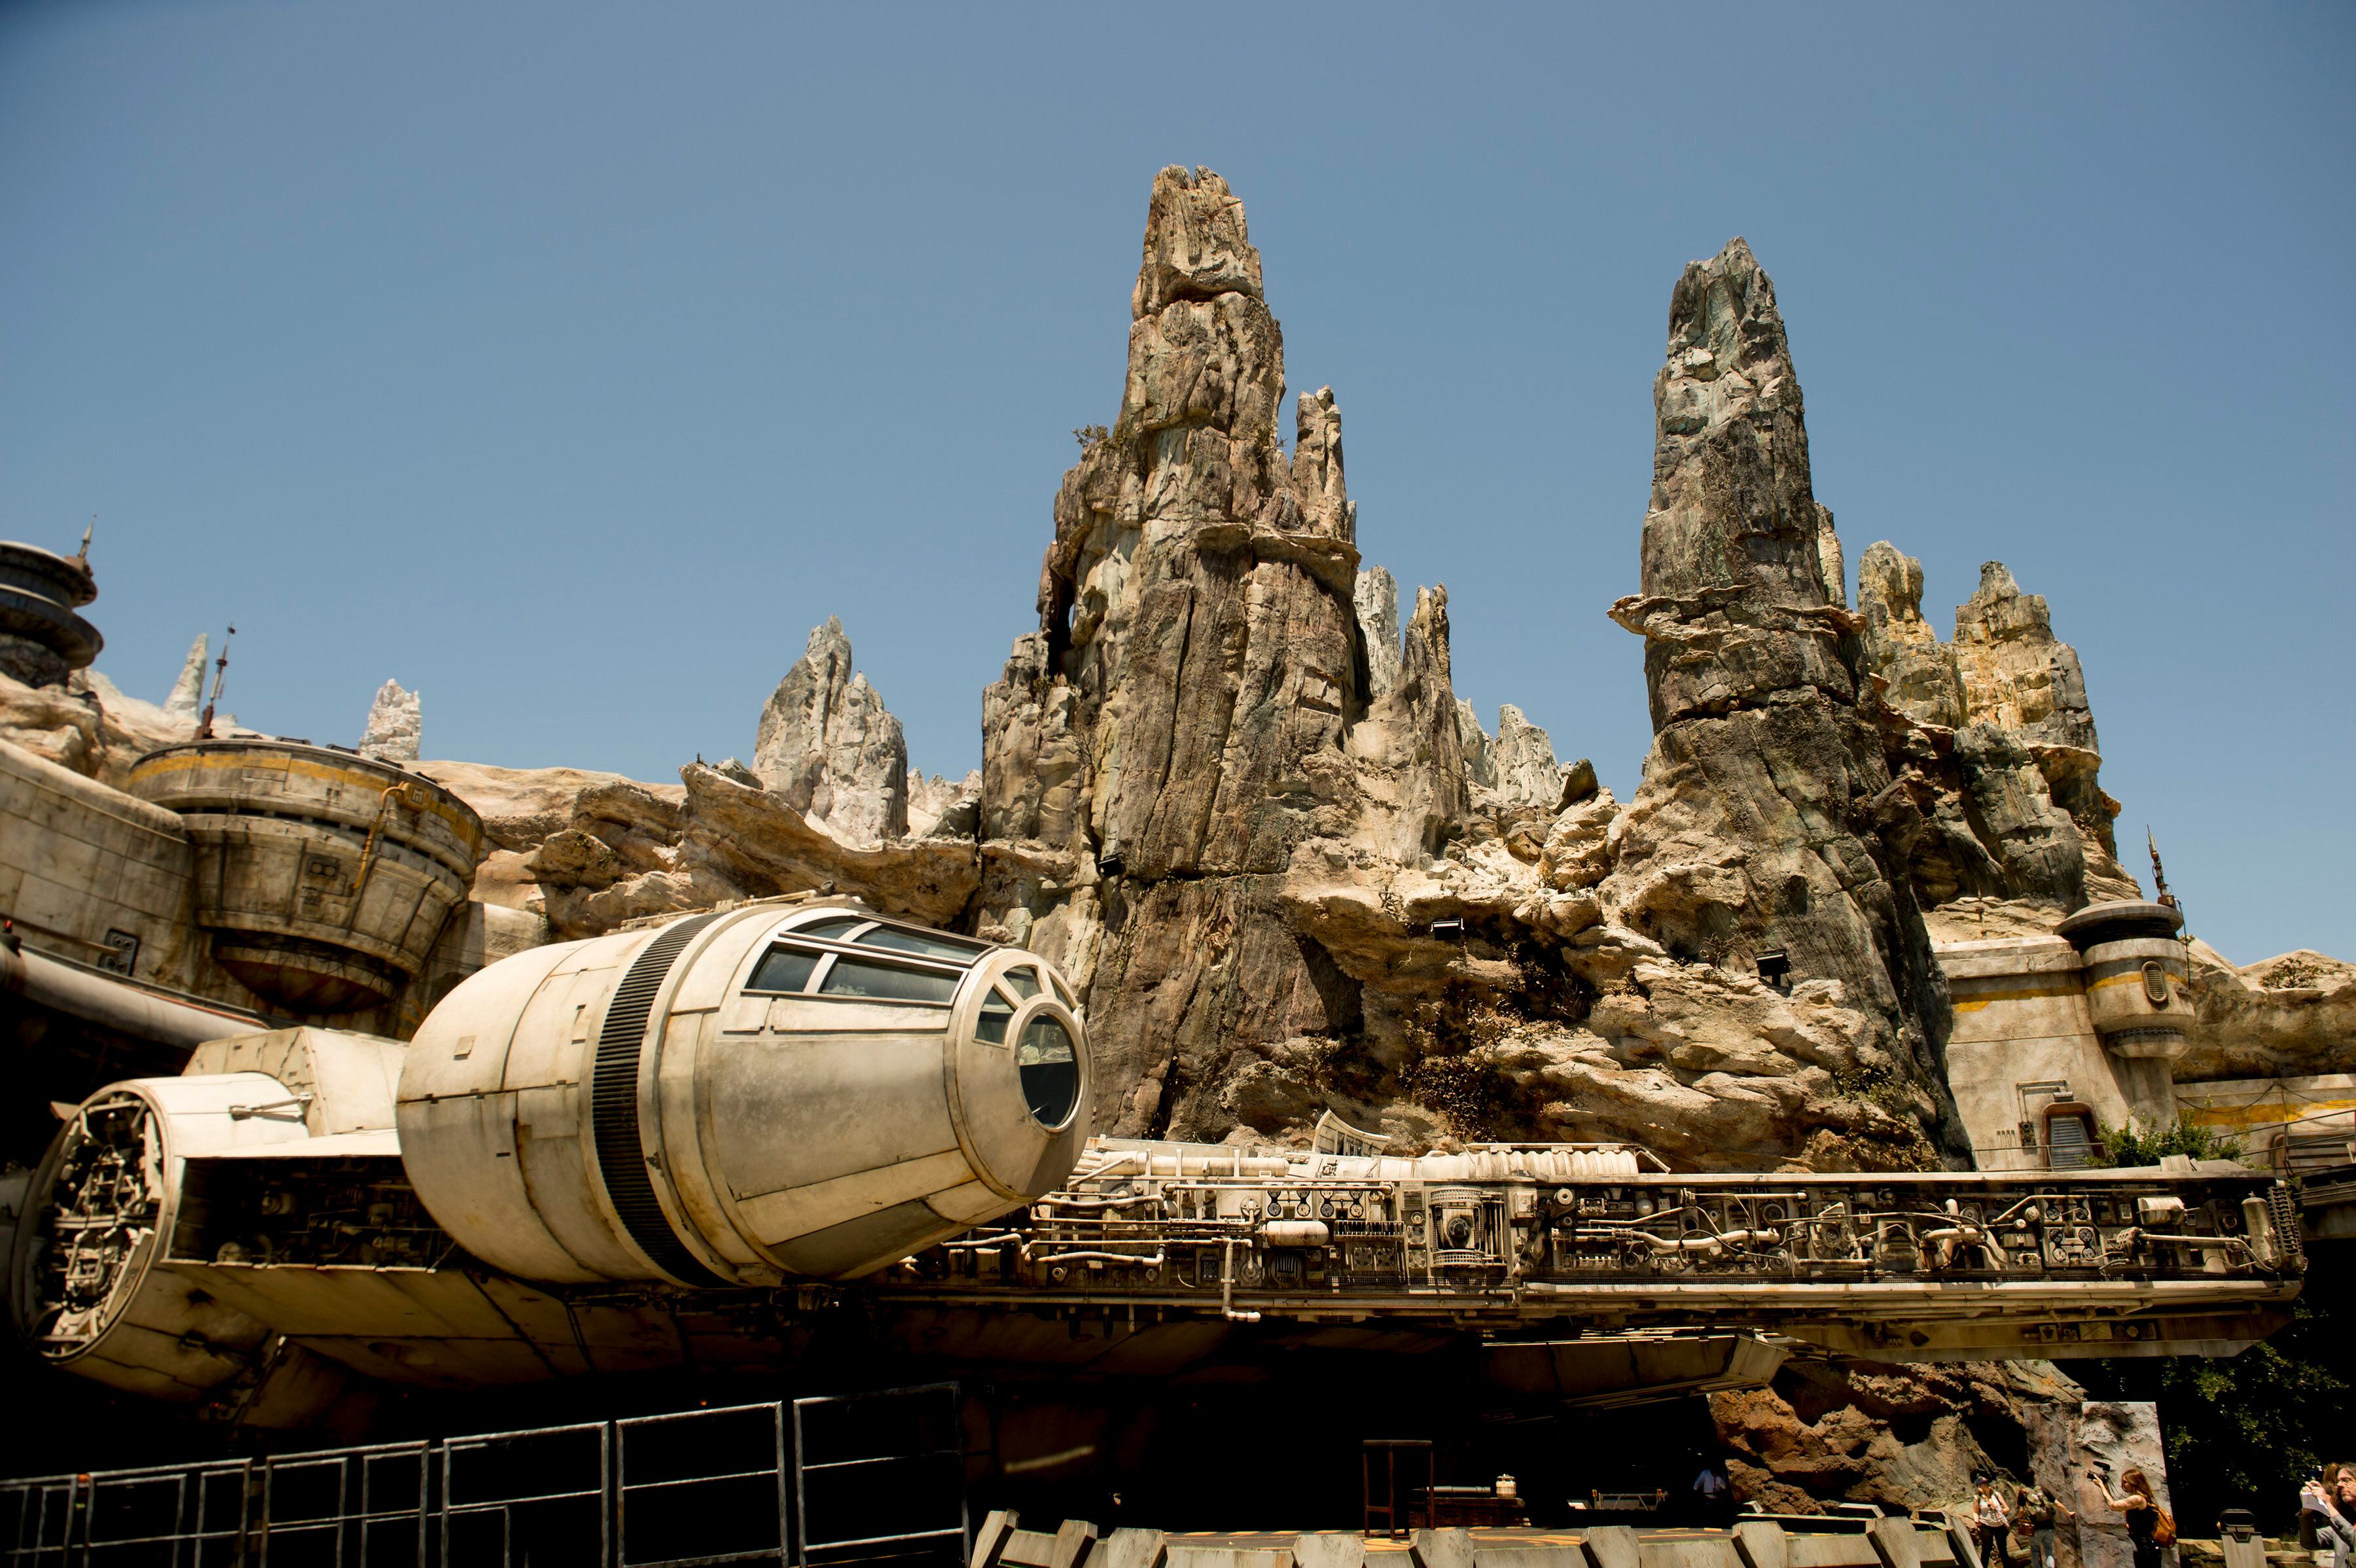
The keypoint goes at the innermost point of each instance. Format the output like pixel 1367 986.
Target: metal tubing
pixel 127 1009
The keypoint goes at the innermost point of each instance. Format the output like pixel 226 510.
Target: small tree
pixel 2135 1145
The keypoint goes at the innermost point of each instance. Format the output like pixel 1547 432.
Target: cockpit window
pixel 835 929
pixel 997 1011
pixel 783 969
pixel 887 982
pixel 1063 991
pixel 1050 1070
pixel 1023 982
pixel 925 944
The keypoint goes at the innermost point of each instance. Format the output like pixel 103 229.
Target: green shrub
pixel 2134 1145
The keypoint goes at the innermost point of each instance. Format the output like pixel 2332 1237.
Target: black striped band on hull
pixel 614 1106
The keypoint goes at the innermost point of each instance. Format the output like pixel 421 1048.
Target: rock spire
pixel 188 694
pixel 1999 756
pixel 1751 833
pixel 396 723
pixel 828 745
pixel 1156 749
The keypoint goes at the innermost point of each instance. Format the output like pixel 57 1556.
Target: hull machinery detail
pixel 710 1142
pixel 1508 1237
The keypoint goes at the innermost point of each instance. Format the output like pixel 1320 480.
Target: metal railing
pixel 813 1483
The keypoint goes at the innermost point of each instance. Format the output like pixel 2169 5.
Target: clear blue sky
pixel 570 361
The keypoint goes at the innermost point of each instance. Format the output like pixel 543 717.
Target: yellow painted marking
pixel 1980 999
pixel 2132 977
pixel 325 772
pixel 2268 1115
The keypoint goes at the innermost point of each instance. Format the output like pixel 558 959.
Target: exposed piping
pixel 112 1005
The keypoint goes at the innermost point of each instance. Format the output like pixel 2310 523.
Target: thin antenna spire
pixel 84 556
pixel 2159 876
pixel 220 678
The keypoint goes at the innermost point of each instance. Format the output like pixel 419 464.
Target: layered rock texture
pixel 1903 1437
pixel 1996 751
pixel 1228 786
pixel 1761 824
pixel 1154 752
pixel 395 730
pixel 826 743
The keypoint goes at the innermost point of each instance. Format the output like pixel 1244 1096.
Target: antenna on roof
pixel 84 556
pixel 220 678
pixel 2159 876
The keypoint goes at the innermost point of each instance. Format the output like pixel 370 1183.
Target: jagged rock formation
pixel 1156 749
pixel 396 725
pixel 1377 601
pixel 1831 565
pixel 588 851
pixel 826 743
pixel 188 694
pixel 2290 1016
pixel 1473 742
pixel 946 806
pixel 1522 767
pixel 1870 1432
pixel 1754 828
pixel 1995 747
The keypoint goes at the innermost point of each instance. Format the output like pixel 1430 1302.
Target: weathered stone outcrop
pixel 2289 1017
pixel 1993 742
pixel 588 851
pixel 826 743
pixel 943 805
pixel 1755 829
pixel 188 694
pixel 1378 629
pixel 91 726
pixel 1904 1436
pixel 396 725
pixel 1522 767
pixel 1155 751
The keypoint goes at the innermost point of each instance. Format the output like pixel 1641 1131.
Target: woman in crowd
pixel 2142 1512
pixel 2037 1509
pixel 1990 1521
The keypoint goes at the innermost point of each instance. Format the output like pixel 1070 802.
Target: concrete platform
pixel 1833 1543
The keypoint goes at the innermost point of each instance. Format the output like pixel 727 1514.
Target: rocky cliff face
pixel 1994 749
pixel 1231 790
pixel 1157 748
pixel 1874 1432
pixel 1756 830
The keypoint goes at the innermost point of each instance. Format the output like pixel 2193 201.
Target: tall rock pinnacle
pixel 1751 832
pixel 395 729
pixel 1155 750
pixel 828 745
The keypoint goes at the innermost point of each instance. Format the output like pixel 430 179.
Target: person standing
pixel 2148 1527
pixel 2037 1508
pixel 2323 1522
pixel 1711 1494
pixel 1991 1523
